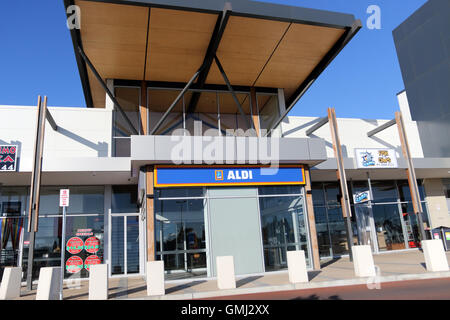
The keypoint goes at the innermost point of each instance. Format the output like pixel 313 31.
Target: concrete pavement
pixel 392 266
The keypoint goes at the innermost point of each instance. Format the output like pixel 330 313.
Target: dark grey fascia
pixel 252 9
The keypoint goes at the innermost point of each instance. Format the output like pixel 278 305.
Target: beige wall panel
pixel 437 204
pixel 302 48
pixel 246 45
pixel 114 38
pixel 177 42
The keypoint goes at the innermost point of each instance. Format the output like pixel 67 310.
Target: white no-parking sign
pixel 64 197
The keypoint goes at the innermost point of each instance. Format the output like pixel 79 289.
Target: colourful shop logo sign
pixel 367 159
pixel 8 156
pixel 361 197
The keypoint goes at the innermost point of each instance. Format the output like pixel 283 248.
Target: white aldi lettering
pixel 375 158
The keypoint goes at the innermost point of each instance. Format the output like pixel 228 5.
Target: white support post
pixel 363 261
pixel 49 283
pixel 297 266
pixel 98 282
pixel 435 258
pixel 155 278
pixel 10 287
pixel 225 272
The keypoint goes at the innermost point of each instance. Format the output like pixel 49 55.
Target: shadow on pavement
pixel 184 286
pixel 244 281
pixel 313 274
pixel 326 264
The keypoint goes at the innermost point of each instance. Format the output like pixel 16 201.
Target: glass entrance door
pixel 125 244
pixel 366 235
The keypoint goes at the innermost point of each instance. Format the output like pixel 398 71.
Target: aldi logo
pixel 8 157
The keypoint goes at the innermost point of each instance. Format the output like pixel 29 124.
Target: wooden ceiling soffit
pixel 177 43
pixel 246 45
pixel 114 38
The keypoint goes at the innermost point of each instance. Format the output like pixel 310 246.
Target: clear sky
pixel 37 57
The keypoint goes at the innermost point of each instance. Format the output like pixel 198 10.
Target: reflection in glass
pixel 132 244
pixel 283 229
pixel 180 235
pixel 117 246
pixel 384 191
pixel 388 227
pixel 124 199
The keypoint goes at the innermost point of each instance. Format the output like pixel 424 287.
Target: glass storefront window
pixel 180 231
pixel 332 192
pixel 283 226
pixel 318 194
pixel 124 199
pixel 179 192
pixel 405 193
pixel 384 191
pixel 388 227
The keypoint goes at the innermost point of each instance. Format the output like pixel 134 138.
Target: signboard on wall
pixel 375 158
pixel 8 157
pixel 190 176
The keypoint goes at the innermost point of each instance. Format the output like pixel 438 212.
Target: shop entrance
pixel 125 244
pixel 235 229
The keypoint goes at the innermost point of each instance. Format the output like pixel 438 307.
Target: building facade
pixel 423 49
pixel 185 152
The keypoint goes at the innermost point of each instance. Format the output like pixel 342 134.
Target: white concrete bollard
pixel 225 272
pixel 49 283
pixel 98 282
pixel 10 287
pixel 155 278
pixel 363 261
pixel 435 258
pixel 297 266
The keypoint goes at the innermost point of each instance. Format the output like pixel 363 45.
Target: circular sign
pixel 90 261
pixel 92 245
pixel 74 245
pixel 74 264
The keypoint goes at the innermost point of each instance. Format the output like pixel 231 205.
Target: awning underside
pixel 169 45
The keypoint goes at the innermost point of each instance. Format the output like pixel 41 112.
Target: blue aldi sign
pixel 191 176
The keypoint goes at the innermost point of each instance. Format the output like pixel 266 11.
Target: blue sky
pixel 37 57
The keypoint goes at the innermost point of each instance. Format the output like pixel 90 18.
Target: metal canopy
pixel 259 44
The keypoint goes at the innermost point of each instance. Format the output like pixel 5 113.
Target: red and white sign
pixel 75 245
pixel 74 264
pixel 90 261
pixel 84 232
pixel 64 197
pixel 92 245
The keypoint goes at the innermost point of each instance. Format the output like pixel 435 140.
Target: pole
pixel 63 251
pixel 345 200
pixel 412 180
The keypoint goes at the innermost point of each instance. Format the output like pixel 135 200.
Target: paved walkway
pixel 393 266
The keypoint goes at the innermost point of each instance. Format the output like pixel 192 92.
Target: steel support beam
pixel 105 87
pixel 76 42
pixel 219 29
pixel 323 64
pixel 227 81
pixel 381 128
pixel 178 98
pixel 320 124
pixel 50 120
